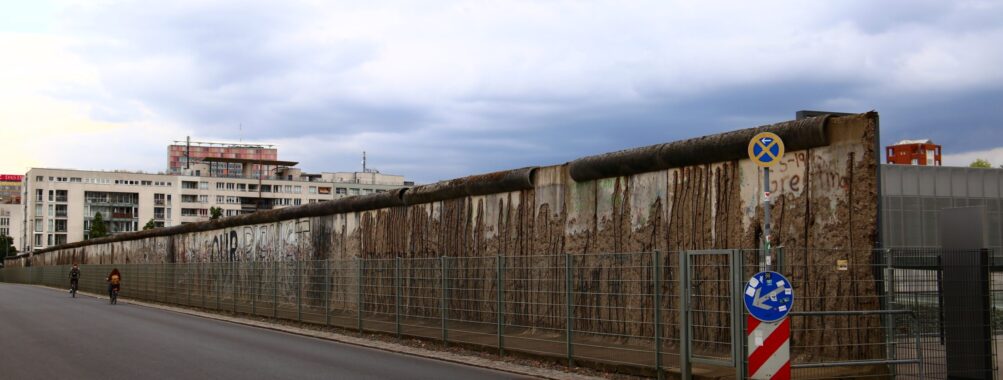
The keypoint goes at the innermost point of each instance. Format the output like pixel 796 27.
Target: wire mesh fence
pixel 862 314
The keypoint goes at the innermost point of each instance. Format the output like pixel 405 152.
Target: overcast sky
pixel 441 89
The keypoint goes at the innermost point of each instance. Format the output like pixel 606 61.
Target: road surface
pixel 45 334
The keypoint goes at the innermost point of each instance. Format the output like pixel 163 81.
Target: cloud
pixel 994 156
pixel 435 91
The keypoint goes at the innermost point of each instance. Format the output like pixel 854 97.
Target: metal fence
pixel 857 313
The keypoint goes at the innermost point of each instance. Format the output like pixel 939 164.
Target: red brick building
pixel 914 152
pixel 177 159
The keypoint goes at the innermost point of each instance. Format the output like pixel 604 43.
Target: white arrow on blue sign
pixel 769 296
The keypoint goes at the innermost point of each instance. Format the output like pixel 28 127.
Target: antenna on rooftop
pixel 363 161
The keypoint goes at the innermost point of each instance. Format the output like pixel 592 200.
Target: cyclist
pixel 74 279
pixel 114 285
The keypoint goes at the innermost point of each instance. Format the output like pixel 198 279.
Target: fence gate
pixel 711 313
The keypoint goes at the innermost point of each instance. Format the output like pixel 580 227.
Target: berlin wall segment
pixel 691 194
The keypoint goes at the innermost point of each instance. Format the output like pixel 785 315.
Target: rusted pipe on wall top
pixel 366 202
pixel 491 183
pixel 796 134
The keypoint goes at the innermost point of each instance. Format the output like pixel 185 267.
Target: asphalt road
pixel 45 334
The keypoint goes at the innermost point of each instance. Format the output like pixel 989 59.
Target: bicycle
pixel 113 296
pixel 73 289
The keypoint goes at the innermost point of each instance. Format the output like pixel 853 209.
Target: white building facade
pixel 59 205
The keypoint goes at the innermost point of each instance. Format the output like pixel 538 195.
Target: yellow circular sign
pixel 766 149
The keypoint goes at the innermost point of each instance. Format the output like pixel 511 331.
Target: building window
pixel 241 187
pixel 297 189
pixel 312 189
pixel 297 201
pixel 189 185
pixel 204 185
pixel 220 185
pixel 220 199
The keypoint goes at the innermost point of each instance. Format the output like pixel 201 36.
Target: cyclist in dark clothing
pixel 114 285
pixel 74 278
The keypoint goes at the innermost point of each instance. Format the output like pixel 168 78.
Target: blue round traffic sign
pixel 766 149
pixel 769 296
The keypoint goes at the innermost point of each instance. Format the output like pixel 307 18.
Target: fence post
pixel 657 276
pixel 188 288
pixel 397 296
pixel 684 316
pixel 234 282
pixel 358 291
pixel 443 297
pixel 327 292
pixel 299 290
pixel 203 283
pixel 738 337
pixel 569 325
pixel 275 290
pixel 500 264
pixel 218 284
pixel 253 291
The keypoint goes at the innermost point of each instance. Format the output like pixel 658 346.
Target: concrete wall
pixel 824 194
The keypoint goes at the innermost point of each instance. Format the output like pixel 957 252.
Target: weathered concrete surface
pixel 824 205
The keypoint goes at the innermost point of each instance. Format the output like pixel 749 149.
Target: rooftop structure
pixel 914 152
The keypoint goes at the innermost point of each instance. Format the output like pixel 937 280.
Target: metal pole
pixel 188 289
pixel 358 291
pixel 765 261
pixel 397 296
pixel 218 283
pixel 275 289
pixel 500 298
pixel 919 349
pixel 889 299
pixel 234 283
pixel 657 306
pixel 684 317
pixel 327 292
pixel 203 282
pixel 443 298
pixel 299 290
pixel 738 340
pixel 569 301
pixel 253 292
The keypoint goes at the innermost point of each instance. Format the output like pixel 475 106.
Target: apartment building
pixel 11 223
pixel 60 204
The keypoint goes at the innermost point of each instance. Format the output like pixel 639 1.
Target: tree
pixel 7 247
pixel 98 228
pixel 149 225
pixel 980 163
pixel 216 213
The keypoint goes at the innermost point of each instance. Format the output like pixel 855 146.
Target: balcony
pixel 61 199
pixel 158 202
pixel 122 215
pixel 158 216
pixel 61 214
